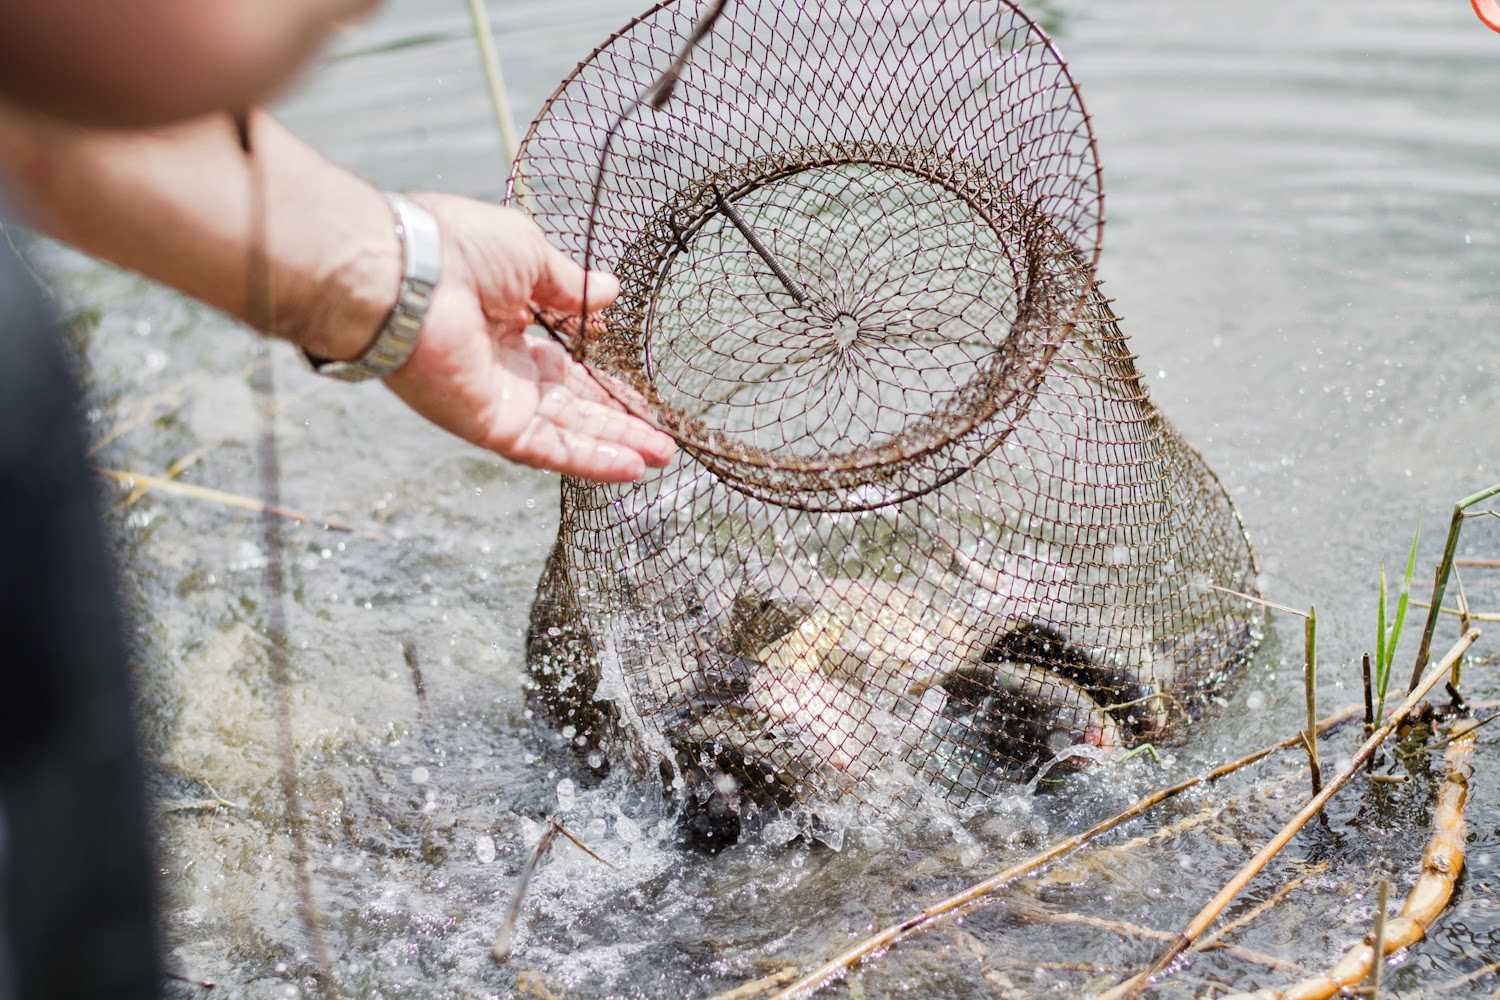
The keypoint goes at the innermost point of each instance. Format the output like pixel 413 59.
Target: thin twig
pixel 174 470
pixel 847 960
pixel 1477 563
pixel 1210 912
pixel 260 298
pixel 226 499
pixel 1477 616
pixel 1258 600
pixel 501 947
pixel 1489 969
pixel 1382 900
pixel 1310 687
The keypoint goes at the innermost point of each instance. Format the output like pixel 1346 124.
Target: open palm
pixel 477 373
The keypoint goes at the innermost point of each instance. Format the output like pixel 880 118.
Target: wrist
pixel 356 275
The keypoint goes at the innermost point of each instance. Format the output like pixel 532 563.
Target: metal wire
pixel 927 531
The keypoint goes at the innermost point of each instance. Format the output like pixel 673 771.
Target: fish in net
pixel 926 532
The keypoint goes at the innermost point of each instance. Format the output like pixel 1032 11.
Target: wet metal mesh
pixel 927 529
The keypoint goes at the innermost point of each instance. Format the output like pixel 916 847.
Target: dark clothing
pixel 76 880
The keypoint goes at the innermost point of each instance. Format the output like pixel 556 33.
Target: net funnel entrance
pixel 926 532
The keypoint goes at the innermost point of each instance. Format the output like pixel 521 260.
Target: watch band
pixel 422 254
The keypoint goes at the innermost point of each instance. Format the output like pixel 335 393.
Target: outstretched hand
pixel 477 373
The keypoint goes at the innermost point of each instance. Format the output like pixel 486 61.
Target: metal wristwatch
pixel 422 253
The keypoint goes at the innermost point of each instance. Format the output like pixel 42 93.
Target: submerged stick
pixel 1125 928
pixel 847 960
pixel 1255 912
pixel 1210 912
pixel 1257 600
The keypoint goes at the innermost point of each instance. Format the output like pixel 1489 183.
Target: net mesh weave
pixel 926 521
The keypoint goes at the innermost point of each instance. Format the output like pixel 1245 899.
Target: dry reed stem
pixel 1442 863
pixel 1310 689
pixel 1477 563
pixel 1210 912
pixel 1258 600
pixel 173 471
pixel 1478 616
pixel 206 494
pixel 495 83
pixel 877 943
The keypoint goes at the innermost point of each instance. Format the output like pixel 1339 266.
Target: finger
pixel 560 285
pixel 606 423
pixel 544 445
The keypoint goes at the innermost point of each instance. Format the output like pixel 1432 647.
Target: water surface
pixel 1302 240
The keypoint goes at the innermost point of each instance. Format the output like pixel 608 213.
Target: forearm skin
pixel 174 204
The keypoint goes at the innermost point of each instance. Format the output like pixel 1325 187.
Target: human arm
pixel 176 204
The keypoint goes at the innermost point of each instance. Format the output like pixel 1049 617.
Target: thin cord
pixel 260 305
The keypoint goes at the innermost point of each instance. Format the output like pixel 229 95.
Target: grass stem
pixel 1310 687
pixel 495 82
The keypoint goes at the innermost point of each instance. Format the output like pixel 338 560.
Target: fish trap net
pixel 926 529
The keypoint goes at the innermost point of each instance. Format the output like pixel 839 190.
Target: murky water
pixel 1302 239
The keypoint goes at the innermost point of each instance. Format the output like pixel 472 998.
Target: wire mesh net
pixel 926 530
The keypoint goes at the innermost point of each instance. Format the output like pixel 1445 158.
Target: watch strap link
pixel 422 258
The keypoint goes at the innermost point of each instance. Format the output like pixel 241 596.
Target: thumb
pixel 560 285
